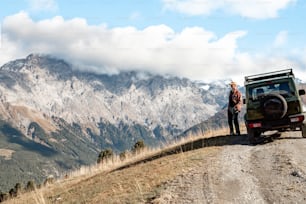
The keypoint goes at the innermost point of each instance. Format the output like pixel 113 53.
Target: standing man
pixel 234 107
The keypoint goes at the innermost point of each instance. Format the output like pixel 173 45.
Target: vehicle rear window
pixel 282 88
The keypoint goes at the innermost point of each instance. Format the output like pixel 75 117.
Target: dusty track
pixel 272 172
pixel 218 169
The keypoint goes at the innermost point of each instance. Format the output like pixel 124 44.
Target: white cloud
pixel 281 39
pixel 304 56
pixel 300 55
pixel 42 5
pixel 258 9
pixel 194 52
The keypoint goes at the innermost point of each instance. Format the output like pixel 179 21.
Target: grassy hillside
pixel 137 179
pixel 42 155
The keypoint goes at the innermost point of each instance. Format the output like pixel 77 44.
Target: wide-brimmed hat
pixel 233 83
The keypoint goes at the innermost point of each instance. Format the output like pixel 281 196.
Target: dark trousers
pixel 233 117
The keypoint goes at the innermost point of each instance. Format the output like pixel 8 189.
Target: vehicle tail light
pixel 255 125
pixel 296 119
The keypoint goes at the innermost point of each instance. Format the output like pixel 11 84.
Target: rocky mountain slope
pixel 43 87
pixel 55 117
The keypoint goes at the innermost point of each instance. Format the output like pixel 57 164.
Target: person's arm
pixel 239 101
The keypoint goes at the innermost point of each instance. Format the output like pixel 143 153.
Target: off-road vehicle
pixel 273 103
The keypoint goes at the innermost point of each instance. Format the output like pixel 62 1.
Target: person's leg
pixel 230 121
pixel 235 117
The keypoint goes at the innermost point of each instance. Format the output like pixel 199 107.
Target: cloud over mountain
pixel 193 52
pixel 156 48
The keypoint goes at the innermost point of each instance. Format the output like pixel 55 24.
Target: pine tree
pixel 138 147
pixel 105 156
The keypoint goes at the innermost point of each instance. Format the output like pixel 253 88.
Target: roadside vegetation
pixel 131 176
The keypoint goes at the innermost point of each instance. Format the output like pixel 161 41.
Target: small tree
pixel 12 193
pixel 30 186
pixel 138 147
pixel 4 196
pixel 105 155
pixel 49 180
pixel 122 155
pixel 18 188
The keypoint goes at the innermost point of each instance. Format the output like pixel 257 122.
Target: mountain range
pixel 55 117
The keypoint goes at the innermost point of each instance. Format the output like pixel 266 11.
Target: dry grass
pixel 138 179
pixel 6 153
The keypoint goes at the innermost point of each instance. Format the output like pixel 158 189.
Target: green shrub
pixel 4 196
pixel 49 180
pixel 122 155
pixel 12 193
pixel 138 147
pixel 30 186
pixel 18 188
pixel 105 156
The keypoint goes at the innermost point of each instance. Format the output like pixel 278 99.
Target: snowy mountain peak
pixel 52 87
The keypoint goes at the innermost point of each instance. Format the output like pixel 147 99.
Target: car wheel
pixel 274 107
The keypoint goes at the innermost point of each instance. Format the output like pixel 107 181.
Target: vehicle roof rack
pixel 280 73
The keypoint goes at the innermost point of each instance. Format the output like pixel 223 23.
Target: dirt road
pixel 272 172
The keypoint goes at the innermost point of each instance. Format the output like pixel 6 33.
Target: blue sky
pixel 198 39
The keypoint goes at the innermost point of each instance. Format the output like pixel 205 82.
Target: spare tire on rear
pixel 274 106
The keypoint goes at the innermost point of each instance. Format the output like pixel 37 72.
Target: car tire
pixel 274 106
